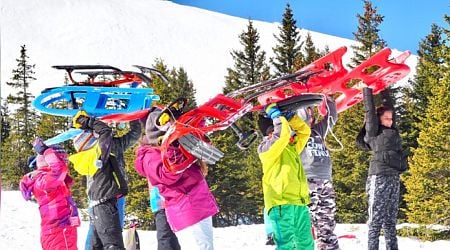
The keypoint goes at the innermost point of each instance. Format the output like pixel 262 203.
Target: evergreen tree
pixel 367 34
pixel 5 127
pixel 311 52
pixel 181 86
pixel 351 164
pixel 420 88
pixel 428 181
pixel 17 147
pixel 236 179
pixel 160 87
pixel 249 64
pixel 288 49
pixel 23 75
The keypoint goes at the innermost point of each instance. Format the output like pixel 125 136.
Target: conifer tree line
pixel 236 179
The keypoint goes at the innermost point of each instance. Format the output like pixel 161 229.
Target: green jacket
pixel 284 180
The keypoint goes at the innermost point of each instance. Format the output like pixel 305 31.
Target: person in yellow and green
pixel 94 158
pixel 285 188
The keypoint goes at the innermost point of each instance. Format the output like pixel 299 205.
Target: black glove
pixel 83 120
pixel 39 146
pixel 288 114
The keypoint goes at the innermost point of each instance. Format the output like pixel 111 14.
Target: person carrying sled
pixel 316 162
pixel 49 184
pixel 94 158
pixel 386 164
pixel 189 204
pixel 119 145
pixel 284 181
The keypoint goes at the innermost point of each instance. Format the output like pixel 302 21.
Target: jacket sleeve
pixel 387 101
pixel 57 174
pixel 129 139
pixel 272 148
pixel 302 132
pixel 372 123
pixel 329 120
pixel 104 138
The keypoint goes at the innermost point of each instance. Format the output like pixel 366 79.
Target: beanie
pixel 152 130
pixel 60 153
pixel 265 125
pixel 84 141
pixel 304 114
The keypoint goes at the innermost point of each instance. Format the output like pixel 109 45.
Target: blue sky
pixel 406 22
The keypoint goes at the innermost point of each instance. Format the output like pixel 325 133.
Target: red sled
pixel 306 87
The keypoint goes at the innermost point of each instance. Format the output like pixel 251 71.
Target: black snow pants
pixel 383 192
pixel 107 232
pixel 167 240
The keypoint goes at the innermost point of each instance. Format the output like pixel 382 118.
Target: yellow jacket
pixel 284 180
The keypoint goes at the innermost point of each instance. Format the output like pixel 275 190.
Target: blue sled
pixel 96 101
pixel 69 134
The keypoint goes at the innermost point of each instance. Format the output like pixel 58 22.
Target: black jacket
pixel 123 143
pixel 108 182
pixel 385 143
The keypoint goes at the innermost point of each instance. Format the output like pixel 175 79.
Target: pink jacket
pixel 187 195
pixel 50 187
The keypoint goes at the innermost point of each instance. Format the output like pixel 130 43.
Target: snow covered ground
pixel 19 229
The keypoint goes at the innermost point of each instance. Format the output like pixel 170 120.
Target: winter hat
pixel 265 125
pixel 84 141
pixel 152 130
pixel 304 114
pixel 60 152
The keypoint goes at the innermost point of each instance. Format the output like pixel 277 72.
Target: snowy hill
pixel 19 229
pixel 123 32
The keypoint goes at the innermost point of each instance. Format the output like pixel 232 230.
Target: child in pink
pixel 189 203
pixel 50 184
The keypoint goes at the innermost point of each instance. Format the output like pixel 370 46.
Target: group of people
pixel 297 181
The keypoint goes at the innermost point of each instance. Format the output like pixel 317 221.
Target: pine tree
pixel 21 79
pixel 428 182
pixel 249 64
pixel 181 86
pixel 311 52
pixel 17 147
pixel 236 178
pixel 287 52
pixel 160 87
pixel 5 127
pixel 351 164
pixel 367 34
pixel 426 76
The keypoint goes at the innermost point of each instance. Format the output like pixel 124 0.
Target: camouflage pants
pixel 322 211
pixel 383 193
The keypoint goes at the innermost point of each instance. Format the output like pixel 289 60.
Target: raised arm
pixel 372 123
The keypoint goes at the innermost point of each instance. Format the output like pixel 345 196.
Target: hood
pixel 145 151
pixel 26 185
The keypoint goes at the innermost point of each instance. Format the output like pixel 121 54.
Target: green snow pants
pixel 291 227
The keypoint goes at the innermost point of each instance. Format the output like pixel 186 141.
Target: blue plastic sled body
pixel 96 101
pixel 69 134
